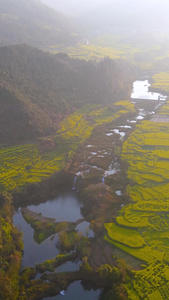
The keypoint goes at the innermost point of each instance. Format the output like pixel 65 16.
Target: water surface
pixel 141 91
pixel 65 207
pixel 76 291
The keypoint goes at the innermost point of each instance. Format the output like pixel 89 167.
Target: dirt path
pixel 102 253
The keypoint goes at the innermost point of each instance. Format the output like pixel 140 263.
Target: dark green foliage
pixel 98 203
pixel 5 199
pixel 39 289
pixel 38 89
pixel 109 273
pixel 26 275
pixel 118 293
pixel 84 247
pixel 10 251
pixel 69 240
pixel 52 264
pixel 43 226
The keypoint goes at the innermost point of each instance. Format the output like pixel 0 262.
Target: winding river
pixel 67 207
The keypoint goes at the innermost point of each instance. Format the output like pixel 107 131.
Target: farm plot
pixel 146 219
pixel 30 163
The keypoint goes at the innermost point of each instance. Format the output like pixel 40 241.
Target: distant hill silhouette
pixel 33 23
pixel 145 15
pixel 75 7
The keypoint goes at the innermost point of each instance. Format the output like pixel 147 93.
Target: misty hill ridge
pixel 33 23
pixel 130 15
pixel 74 7
pixel 37 89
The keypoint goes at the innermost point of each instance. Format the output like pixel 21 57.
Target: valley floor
pixel 122 176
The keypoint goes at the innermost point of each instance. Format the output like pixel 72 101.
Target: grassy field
pixel 24 164
pixel 92 51
pixel 145 222
pixel 161 81
pixel 118 46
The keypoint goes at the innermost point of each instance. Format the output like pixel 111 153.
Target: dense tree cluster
pixel 38 89
pixel 11 247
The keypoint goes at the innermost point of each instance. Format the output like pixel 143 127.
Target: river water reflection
pixel 76 291
pixel 141 91
pixel 65 207
pixel 34 253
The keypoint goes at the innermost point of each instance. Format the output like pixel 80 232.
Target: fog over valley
pixel 130 14
pixel 84 150
pixel 74 7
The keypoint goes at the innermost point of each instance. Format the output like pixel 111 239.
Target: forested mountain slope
pixel 33 23
pixel 37 89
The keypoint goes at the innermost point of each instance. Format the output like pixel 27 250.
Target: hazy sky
pixel 103 13
pixel 76 7
pixel 73 6
pixel 81 7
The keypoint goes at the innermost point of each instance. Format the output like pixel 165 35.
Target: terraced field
pixel 94 51
pixel 161 81
pixel 142 227
pixel 115 46
pixel 24 164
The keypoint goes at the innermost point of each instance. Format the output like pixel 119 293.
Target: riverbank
pixel 99 175
pixel 108 199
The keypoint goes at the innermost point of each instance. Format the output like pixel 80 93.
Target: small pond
pixel 77 291
pixel 65 207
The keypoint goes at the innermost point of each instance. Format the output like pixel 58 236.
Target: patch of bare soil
pixel 105 253
pixel 160 119
pixel 101 254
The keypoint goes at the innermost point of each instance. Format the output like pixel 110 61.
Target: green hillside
pixel 37 89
